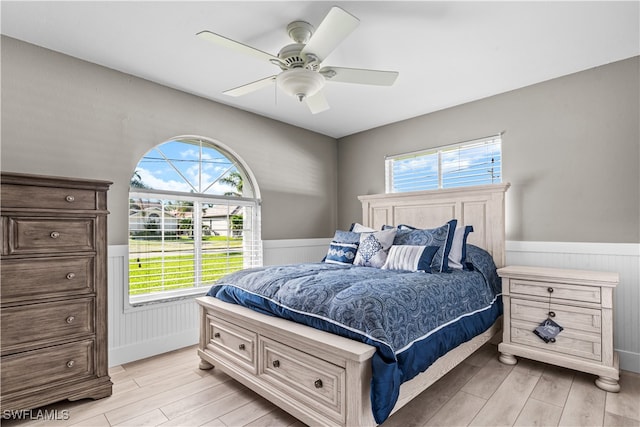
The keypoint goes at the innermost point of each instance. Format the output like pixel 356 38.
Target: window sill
pixel 139 302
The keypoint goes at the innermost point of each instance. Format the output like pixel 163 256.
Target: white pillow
pixel 374 247
pixel 410 258
pixel 457 246
pixel 359 228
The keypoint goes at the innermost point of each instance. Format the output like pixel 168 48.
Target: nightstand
pixel 580 301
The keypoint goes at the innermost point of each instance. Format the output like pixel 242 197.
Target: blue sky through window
pixel 186 166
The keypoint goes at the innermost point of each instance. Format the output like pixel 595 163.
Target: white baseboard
pixel 163 344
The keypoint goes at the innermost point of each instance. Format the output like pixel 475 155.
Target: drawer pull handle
pixel 70 364
pixel 318 383
pixel 552 314
pixel 70 319
pixel 550 289
pixel 241 347
pixel 71 276
pixel 54 235
pixel 552 340
pixel 70 199
pixel 276 363
pixel 216 335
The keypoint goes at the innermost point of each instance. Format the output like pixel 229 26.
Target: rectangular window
pixel 476 162
pixel 179 246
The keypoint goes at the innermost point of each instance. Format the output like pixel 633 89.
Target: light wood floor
pixel 169 389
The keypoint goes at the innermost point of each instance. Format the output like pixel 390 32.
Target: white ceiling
pixel 447 53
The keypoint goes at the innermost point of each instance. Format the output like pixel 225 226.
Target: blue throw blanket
pixel 412 318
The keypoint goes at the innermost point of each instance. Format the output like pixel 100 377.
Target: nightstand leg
pixel 608 384
pixel 508 359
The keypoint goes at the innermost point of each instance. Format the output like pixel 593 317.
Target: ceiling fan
pixel 302 75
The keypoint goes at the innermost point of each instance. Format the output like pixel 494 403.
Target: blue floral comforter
pixel 412 318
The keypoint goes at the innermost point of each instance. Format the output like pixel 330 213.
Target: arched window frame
pixel 243 236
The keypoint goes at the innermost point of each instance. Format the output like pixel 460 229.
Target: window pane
pixel 476 162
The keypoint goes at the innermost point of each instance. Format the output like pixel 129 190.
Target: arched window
pixel 194 216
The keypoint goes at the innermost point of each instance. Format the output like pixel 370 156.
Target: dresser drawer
pixel 50 235
pixel 46 277
pixel 567 316
pixel 233 342
pixel 304 377
pixel 27 196
pixel 559 290
pixel 35 324
pixel 47 366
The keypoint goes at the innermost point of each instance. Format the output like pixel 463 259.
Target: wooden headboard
pixel 480 206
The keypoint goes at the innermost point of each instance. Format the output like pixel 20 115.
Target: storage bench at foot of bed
pixel 320 378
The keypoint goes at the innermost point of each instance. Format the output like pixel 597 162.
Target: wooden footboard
pixel 318 377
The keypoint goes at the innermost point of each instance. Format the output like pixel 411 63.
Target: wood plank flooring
pixel 170 390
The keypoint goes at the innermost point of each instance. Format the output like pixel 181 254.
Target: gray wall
pixel 66 117
pixel 570 151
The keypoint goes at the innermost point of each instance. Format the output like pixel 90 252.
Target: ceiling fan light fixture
pixel 300 82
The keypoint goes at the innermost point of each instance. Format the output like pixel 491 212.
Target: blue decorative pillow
pixel 374 248
pixel 346 237
pixel 410 258
pixel 341 253
pixel 458 251
pixel 441 237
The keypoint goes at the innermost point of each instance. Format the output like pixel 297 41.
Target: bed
pixel 327 379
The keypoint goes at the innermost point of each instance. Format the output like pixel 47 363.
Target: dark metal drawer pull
pixel 552 340
pixel 550 289
pixel 70 319
pixel 552 314
pixel 70 199
pixel 54 235
pixel 318 383
pixel 70 364
pixel 216 335
pixel 241 347
pixel 276 363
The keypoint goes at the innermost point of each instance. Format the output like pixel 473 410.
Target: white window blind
pixel 468 163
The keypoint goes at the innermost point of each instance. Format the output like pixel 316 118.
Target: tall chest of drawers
pixel 579 301
pixel 53 292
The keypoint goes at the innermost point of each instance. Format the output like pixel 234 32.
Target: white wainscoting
pixel 623 258
pixel 158 328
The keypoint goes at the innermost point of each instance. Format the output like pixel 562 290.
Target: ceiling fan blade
pixel 237 46
pixel 359 75
pixel 250 87
pixel 317 103
pixel 334 28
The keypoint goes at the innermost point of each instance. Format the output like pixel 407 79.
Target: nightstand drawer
pixel 233 342
pixel 567 316
pixel 39 324
pixel 559 290
pixel 569 341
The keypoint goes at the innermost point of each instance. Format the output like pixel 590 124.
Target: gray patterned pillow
pixel 374 248
pixel 441 237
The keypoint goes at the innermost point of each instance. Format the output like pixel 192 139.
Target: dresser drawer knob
pixel 70 319
pixel 550 289
pixel 216 335
pixel 70 364
pixel 552 314
pixel 54 235
pixel 318 383
pixel 552 340
pixel 70 199
pixel 71 276
pixel 276 363
pixel 241 347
